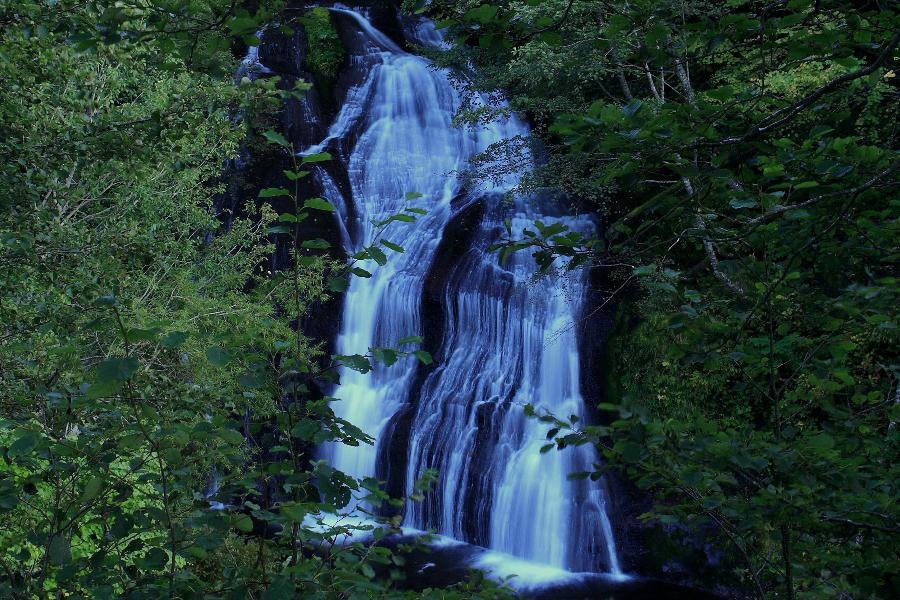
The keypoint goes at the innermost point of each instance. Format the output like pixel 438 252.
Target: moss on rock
pixel 326 53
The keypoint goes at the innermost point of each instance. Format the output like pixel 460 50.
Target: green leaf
pixel 319 204
pixel 102 389
pixel 59 551
pixel 295 175
pixel 482 14
pixel 413 195
pixel 773 170
pixel 196 552
pixel 632 108
pixel 8 496
pixel 743 203
pixel 391 219
pixel 630 451
pixel 231 436
pixel 174 339
pixel 116 369
pixel 294 512
pixel 392 246
pixel 23 445
pixel 338 284
pixel 360 272
pixel 252 379
pixel 218 356
pixel 280 588
pixel 424 357
pixel 306 429
pixel 806 185
pixel 142 335
pixel 412 339
pixel 314 158
pixel 243 523
pixel 91 490
pixel 645 270
pixel 387 356
pixel 276 138
pixel 821 442
pixel 316 244
pixel 377 255
pixel 273 192
pixel 355 362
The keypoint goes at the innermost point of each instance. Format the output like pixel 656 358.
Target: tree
pixel 745 160
pixel 158 397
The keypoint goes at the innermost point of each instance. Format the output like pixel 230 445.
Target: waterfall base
pixel 439 561
pixel 445 561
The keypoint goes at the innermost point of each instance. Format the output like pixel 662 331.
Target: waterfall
pixel 508 336
pixel 401 114
pixel 510 342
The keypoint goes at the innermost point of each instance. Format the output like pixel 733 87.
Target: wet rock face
pixel 283 53
pixel 594 328
pixel 385 16
pixel 457 239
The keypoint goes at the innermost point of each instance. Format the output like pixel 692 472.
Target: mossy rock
pixel 326 53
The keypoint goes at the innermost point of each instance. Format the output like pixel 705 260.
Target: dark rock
pixel 285 54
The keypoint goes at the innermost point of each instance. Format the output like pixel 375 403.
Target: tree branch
pixel 783 115
pixel 773 214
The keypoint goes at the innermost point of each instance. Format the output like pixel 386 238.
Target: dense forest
pixel 704 193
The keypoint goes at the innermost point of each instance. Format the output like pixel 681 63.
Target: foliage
pixel 744 156
pixel 325 49
pixel 158 401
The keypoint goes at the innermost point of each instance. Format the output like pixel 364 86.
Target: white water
pixel 508 341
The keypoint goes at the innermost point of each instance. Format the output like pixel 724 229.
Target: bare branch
pixel 652 82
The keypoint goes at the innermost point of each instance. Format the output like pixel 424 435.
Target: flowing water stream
pixel 508 337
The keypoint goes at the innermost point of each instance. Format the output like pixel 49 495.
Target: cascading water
pixel 508 337
pixel 510 342
pixel 402 114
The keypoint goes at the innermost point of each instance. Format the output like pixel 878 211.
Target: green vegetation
pixel 325 49
pixel 745 156
pixel 149 363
